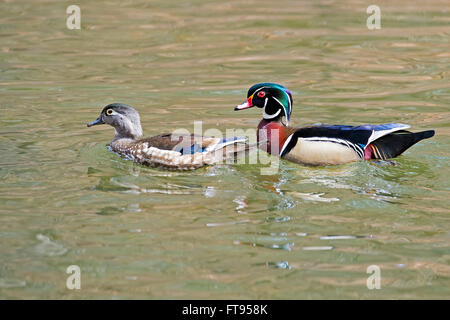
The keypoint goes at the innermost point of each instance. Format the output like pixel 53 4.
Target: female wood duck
pixel 323 144
pixel 166 151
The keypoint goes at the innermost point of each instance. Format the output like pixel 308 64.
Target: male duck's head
pixel 274 99
pixel 123 118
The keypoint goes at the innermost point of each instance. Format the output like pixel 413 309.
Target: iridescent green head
pixel 275 100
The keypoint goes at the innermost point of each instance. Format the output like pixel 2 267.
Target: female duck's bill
pixel 97 121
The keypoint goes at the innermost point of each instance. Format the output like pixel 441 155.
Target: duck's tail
pixel 394 144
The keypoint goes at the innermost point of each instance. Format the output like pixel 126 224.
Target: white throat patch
pixel 270 116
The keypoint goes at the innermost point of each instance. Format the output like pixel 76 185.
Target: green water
pixel 227 231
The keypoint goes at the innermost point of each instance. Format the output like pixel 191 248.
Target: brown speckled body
pixel 159 151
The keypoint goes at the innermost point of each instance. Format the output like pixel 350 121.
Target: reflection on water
pixel 225 231
pixel 313 197
pixel 279 265
pixel 109 210
pixel 318 248
pixel 226 223
pixel 48 247
pixel 12 283
pixel 341 237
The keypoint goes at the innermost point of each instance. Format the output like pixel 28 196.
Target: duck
pixel 323 144
pixel 169 151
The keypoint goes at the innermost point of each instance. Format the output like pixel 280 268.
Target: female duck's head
pixel 123 118
pixel 275 100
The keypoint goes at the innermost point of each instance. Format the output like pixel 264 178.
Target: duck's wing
pixel 165 141
pixel 190 143
pixel 186 152
pixel 356 138
pixel 214 144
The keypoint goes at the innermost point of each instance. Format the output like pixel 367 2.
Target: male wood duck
pixel 323 144
pixel 166 151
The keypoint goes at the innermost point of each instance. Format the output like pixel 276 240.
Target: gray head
pixel 123 118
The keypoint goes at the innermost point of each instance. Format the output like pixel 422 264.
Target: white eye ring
pixel 109 112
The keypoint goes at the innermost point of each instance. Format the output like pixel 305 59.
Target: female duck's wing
pixel 356 138
pixel 190 143
pixel 183 152
pixel 162 141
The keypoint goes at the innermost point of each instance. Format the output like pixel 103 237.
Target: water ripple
pixel 317 248
pixel 12 283
pixel 47 247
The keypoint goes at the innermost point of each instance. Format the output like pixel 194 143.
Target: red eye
pixel 261 94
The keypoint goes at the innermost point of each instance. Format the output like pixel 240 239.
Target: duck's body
pixel 323 144
pixel 166 151
pixel 177 152
pixel 336 144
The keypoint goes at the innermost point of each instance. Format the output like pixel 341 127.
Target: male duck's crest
pixel 323 144
pixel 167 151
pixel 275 100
